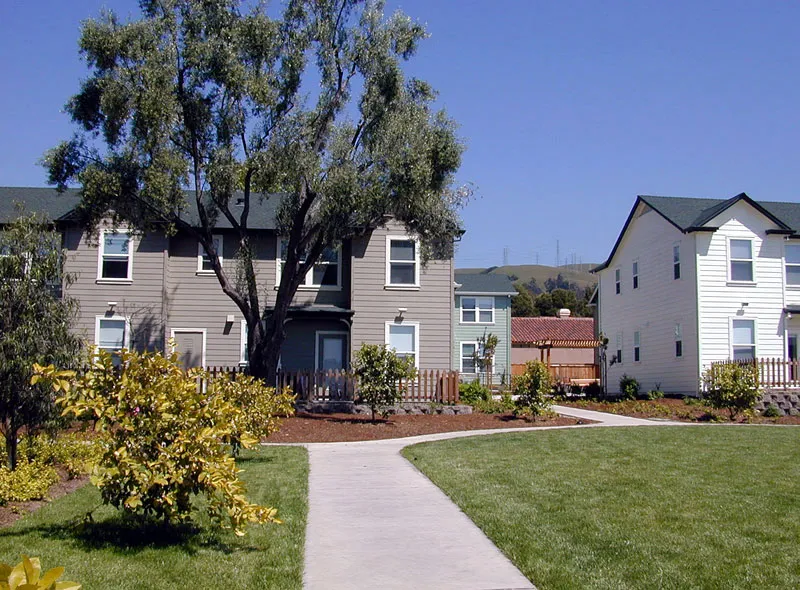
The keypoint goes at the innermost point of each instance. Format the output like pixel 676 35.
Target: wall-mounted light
pixel 111 305
pixel 401 310
pixel 229 318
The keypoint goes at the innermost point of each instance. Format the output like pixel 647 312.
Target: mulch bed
pixel 13 511
pixel 312 428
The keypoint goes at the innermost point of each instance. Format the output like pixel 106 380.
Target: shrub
pixel 495 406
pixel 655 394
pixel 732 386
pixel 593 391
pixel 470 393
pixel 628 387
pixel 28 575
pixel 78 453
pixel 29 481
pixel 771 411
pixel 166 439
pixel 380 372
pixel 532 389
pixel 262 407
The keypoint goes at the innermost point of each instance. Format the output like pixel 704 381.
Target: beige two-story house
pixel 139 291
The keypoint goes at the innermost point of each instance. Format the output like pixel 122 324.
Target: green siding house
pixel 482 307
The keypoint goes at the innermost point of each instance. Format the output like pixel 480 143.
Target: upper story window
pixel 617 284
pixel 115 259
pixel 402 262
pixel 676 262
pixel 792 255
pixel 404 340
pixel 678 340
pixel 741 260
pixel 204 261
pixel 743 339
pixel 635 274
pixel 477 310
pixel 112 334
pixel 326 274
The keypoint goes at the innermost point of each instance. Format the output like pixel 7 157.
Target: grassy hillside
pixel 574 273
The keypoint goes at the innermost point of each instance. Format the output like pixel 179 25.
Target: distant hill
pixel 574 273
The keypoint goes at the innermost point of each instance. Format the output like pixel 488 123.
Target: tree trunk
pixel 11 448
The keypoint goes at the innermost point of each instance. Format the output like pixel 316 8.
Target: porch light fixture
pixel 229 319
pixel 111 305
pixel 402 310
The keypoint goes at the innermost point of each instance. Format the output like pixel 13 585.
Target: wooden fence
pixel 565 373
pixel 431 385
pixel 772 372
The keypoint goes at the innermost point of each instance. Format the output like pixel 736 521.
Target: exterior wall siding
pixel 471 332
pixel 558 356
pixel 653 309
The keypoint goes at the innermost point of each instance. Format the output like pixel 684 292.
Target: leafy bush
pixel 167 440
pixel 532 389
pixel 27 575
pixel 262 407
pixel 470 393
pixel 494 406
pixel 77 452
pixel 29 481
pixel 628 387
pixel 732 386
pixel 593 391
pixel 655 394
pixel 771 411
pixel 380 372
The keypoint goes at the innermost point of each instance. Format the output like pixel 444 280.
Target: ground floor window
pixel 403 338
pixel 744 339
pixel 112 334
pixel 331 351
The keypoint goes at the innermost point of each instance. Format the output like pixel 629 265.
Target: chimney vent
pixel 563 313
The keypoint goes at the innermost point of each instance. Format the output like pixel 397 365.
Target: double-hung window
pixel 743 339
pixel 403 339
pixel 617 285
pixel 116 256
pixel 402 262
pixel 619 347
pixel 477 310
pixel 469 357
pixel 112 334
pixel 326 273
pixel 792 254
pixel 203 259
pixel 636 346
pixel 678 340
pixel 676 262
pixel 635 274
pixel 741 260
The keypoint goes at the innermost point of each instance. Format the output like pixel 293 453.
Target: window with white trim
pixel 741 260
pixel 477 310
pixel 636 347
pixel 678 340
pixel 403 339
pixel 115 259
pixel 743 339
pixel 617 285
pixel 472 361
pixel 402 262
pixel 635 274
pixel 618 356
pixel 792 256
pixel 244 357
pixel 112 334
pixel 326 274
pixel 204 261
pixel 676 262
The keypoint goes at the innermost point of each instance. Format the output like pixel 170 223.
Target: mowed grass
pixel 645 507
pixel 112 553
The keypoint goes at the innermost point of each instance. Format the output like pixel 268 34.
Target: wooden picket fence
pixel 430 385
pixel 773 373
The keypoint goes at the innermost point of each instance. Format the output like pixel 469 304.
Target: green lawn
pixel 650 507
pixel 110 554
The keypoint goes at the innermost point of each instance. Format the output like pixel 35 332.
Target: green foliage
pixel 522 303
pixel 771 411
pixel 732 387
pixel 628 387
pixel 493 406
pixel 261 407
pixel 472 392
pixel 76 452
pixel 167 440
pixel 29 481
pixel 593 391
pixel 533 389
pixel 34 324
pixel 380 373
pixel 654 394
pixel 27 575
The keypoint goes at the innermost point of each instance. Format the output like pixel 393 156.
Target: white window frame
pixel 202 331
pixel 676 262
pixel 620 347
pixel 751 260
pixel 617 281
pixel 416 351
pixel 201 255
pixel 637 347
pixel 478 370
pixel 786 265
pixel 401 286
pixel 100 255
pixel 243 360
pixel 126 339
pixel 755 335
pixel 635 274
pixel 308 284
pixel 678 338
pixel 317 339
pixel 477 309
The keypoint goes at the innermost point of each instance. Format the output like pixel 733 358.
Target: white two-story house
pixel 694 281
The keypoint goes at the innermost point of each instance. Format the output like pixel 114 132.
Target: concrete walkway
pixel 375 522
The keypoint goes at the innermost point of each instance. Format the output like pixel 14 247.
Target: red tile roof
pixel 528 330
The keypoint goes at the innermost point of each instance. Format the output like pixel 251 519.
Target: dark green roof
pixel 490 284
pixel 689 214
pixel 57 206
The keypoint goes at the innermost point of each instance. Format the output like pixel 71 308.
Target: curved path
pixel 375 522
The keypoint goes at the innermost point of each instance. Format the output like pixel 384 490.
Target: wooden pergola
pixel 545 346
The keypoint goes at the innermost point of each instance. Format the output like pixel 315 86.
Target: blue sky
pixel 569 109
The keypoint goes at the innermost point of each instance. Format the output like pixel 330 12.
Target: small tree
pixel 484 354
pixel 380 372
pixel 34 324
pixel 522 303
pixel 732 386
pixel 533 389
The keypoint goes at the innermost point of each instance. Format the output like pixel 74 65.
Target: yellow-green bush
pixel 77 453
pixel 533 389
pixel 732 386
pixel 29 481
pixel 167 440
pixel 27 575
